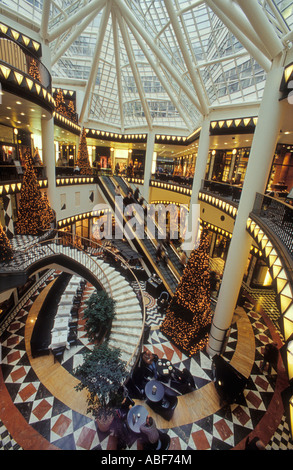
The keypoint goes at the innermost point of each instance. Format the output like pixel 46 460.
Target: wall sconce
pixel 15 131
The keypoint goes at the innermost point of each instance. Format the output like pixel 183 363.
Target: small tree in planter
pixel 99 314
pixel 102 374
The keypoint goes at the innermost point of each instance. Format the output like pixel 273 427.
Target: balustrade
pixel 278 216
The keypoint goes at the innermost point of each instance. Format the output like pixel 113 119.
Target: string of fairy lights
pixel 188 317
pixel 34 211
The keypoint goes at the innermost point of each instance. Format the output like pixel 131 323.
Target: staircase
pixel 127 326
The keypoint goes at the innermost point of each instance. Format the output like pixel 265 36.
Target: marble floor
pixel 32 418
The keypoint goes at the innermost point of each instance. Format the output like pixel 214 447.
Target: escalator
pixel 172 253
pixel 145 246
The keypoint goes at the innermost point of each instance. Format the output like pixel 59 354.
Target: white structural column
pixel 257 173
pixel 49 158
pixel 199 174
pixel 201 160
pixel 45 18
pixel 48 148
pixel 148 165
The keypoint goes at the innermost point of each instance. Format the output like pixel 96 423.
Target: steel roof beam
pixel 118 67
pixel 186 55
pixel 134 24
pixel 134 70
pixel 260 58
pixel 74 19
pixel 262 26
pixel 95 61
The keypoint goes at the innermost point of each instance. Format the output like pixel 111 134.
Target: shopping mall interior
pixel 146 225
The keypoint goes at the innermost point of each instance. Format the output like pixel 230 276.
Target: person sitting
pixel 125 402
pixel 183 381
pixel 150 433
pixel 149 361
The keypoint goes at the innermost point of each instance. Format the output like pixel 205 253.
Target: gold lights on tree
pixel 83 156
pixel 34 212
pixel 71 113
pixel 60 102
pixel 188 317
pixel 34 70
pixel 47 212
pixel 6 253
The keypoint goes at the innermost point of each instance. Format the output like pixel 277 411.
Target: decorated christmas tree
pixel 71 111
pixel 60 103
pixel 188 317
pixel 34 70
pixel 83 157
pixel 5 247
pixel 47 212
pixel 32 212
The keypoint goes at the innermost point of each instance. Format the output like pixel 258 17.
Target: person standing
pixel 150 432
pixel 159 252
pixel 270 357
pixel 136 194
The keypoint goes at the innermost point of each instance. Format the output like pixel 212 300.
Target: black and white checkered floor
pixel 222 430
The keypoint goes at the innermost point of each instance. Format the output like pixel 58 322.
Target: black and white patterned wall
pixel 8 212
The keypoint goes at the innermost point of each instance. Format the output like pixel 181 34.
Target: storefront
pixel 281 176
pixel 227 166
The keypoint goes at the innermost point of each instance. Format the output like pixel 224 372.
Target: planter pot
pixel 104 422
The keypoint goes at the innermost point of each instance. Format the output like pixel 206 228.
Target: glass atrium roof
pixel 150 63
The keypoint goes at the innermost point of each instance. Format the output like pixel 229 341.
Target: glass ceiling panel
pixel 161 88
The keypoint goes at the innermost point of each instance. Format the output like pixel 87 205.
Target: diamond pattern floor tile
pixel 69 430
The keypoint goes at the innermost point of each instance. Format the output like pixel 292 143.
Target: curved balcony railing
pixel 226 190
pixel 22 61
pixel 83 251
pixel 12 173
pixel 278 216
pixel 59 245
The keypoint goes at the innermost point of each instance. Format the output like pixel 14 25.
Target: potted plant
pixel 98 315
pixel 102 374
